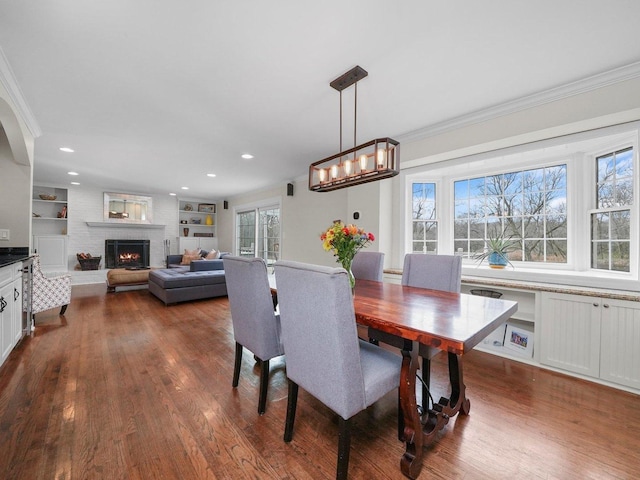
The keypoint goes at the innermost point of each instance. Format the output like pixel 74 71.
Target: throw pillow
pixel 212 255
pixel 204 253
pixel 192 252
pixel 187 259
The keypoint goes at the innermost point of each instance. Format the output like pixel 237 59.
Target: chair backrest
pixel 437 272
pixel 368 265
pixel 320 335
pixel 255 324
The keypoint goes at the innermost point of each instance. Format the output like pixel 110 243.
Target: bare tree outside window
pixel 611 219
pixel 425 224
pixel 528 206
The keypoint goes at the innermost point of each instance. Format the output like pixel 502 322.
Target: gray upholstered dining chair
pixel 436 272
pixel 255 324
pixel 343 372
pixel 368 265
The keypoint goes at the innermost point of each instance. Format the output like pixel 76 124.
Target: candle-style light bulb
pixel 322 174
pixel 348 167
pixel 363 162
pixel 380 158
pixel 334 172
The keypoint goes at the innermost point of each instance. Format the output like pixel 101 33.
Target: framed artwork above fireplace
pixel 127 208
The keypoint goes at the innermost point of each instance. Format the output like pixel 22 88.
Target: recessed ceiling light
pixel 67 149
pixel 72 173
pixel 185 188
pixel 211 174
pixel 172 194
pixel 247 156
pixel 75 183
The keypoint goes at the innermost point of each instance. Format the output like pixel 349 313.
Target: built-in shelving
pixel 49 217
pixel 197 228
pixel 49 227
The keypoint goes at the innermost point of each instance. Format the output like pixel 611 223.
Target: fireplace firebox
pixel 127 253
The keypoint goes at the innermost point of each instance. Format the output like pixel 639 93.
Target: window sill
pixel 602 282
pixel 584 283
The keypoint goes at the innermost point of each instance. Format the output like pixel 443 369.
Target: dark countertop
pixel 11 255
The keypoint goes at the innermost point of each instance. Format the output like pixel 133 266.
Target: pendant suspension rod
pixel 355 115
pixel 340 120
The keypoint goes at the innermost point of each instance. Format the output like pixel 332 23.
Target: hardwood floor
pixel 126 388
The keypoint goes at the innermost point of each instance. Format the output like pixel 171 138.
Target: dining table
pixel 451 322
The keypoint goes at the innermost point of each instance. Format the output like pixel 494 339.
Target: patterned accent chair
pixel 49 292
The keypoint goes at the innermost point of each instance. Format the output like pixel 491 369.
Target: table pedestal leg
pixel 411 461
pixel 458 401
pixel 417 432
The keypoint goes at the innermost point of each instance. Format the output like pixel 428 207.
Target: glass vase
pixel 346 264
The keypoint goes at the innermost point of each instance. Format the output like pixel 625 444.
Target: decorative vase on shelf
pixel 208 220
pixel 185 232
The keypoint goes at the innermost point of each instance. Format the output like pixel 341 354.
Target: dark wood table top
pixel 453 322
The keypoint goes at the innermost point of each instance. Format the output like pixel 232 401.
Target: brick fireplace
pixel 127 253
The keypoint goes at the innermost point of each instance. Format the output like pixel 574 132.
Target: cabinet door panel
pixel 17 306
pixel 620 342
pixel 188 243
pixel 6 320
pixel 53 252
pixel 570 333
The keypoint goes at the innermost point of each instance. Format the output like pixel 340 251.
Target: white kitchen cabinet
pixel 10 308
pixel 17 303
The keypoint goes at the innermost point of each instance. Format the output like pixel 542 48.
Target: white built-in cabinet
pixel 197 227
pixel 10 308
pixel 49 227
pixel 53 252
pixel 592 336
pixel 577 333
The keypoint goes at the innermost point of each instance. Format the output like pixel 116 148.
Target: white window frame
pixel 274 202
pixel 581 181
pixel 438 210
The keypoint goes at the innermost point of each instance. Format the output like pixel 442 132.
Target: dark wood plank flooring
pixel 126 388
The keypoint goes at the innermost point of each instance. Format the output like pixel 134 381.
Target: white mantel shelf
pixel 125 225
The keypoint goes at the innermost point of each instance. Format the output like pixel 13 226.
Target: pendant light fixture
pixel 371 161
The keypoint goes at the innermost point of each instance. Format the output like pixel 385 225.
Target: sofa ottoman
pixel 174 285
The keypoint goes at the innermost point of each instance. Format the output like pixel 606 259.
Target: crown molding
pixel 578 87
pixel 8 80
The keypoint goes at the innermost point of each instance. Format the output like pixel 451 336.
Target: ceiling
pixel 153 95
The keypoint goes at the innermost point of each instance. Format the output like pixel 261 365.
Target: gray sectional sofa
pixel 180 283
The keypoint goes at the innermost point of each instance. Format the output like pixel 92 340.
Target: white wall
pixel 15 200
pixel 16 159
pixel 381 204
pixel 86 205
pixel 304 216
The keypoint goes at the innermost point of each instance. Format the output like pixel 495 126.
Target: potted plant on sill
pixel 496 251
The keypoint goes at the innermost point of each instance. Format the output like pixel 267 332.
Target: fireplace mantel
pixel 125 225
